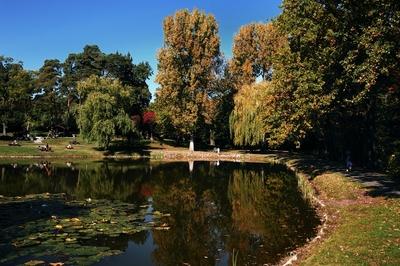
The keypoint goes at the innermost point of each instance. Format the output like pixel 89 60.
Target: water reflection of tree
pixel 262 216
pixel 95 180
pixel 269 214
pixel 196 234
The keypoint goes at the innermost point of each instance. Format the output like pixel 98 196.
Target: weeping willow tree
pixel 247 120
pixel 105 111
pixel 254 50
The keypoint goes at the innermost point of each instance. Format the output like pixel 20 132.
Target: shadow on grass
pixel 144 148
pixel 121 147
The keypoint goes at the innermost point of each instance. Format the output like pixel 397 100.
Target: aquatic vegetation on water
pixel 68 230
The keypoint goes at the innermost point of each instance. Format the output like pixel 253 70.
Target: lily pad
pixel 71 228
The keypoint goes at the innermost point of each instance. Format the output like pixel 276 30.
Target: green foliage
pixel 48 99
pixel 16 88
pixel 334 83
pixel 92 61
pixel 47 103
pixel 339 66
pixel 105 111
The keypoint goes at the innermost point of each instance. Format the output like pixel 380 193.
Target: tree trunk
pixel 4 129
pixel 191 144
pixel 212 140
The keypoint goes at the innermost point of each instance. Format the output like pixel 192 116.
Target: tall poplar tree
pixel 187 65
pixel 254 47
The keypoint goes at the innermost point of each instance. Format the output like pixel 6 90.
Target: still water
pixel 150 213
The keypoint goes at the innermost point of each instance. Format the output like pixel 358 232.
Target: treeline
pixel 323 76
pixel 51 98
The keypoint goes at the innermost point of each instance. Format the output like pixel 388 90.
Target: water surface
pixel 151 213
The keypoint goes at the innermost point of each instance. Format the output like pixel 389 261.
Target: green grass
pixel 367 229
pixel 118 148
pixel 367 235
pixel 58 146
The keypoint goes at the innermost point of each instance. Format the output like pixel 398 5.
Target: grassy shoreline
pixel 360 229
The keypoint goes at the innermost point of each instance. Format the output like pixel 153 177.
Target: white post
pixel 191 145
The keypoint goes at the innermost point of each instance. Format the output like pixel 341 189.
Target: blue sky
pixel 35 30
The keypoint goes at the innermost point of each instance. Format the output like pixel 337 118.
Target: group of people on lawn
pixel 46 147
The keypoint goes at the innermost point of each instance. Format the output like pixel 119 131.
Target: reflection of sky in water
pixel 214 207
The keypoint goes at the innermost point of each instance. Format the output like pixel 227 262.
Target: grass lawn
pixel 84 149
pixel 58 146
pixel 366 231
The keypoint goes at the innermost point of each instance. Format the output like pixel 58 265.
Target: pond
pixel 150 213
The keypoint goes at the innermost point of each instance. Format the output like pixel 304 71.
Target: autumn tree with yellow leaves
pixel 254 49
pixel 187 66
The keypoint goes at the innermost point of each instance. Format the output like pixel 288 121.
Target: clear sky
pixel 34 30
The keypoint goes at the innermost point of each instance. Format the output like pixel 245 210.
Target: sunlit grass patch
pixel 337 186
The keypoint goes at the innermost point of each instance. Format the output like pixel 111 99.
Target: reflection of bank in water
pixel 269 211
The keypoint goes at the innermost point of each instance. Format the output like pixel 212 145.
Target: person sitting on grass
pixel 45 148
pixel 14 143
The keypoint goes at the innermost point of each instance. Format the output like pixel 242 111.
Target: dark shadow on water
pixel 19 213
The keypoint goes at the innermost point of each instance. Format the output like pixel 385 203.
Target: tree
pixel 334 80
pixel 16 88
pixel 78 67
pixel 186 67
pixel 339 67
pixel 48 109
pixel 254 47
pixel 121 67
pixel 149 119
pixel 92 61
pixel 105 111
pixel 247 120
